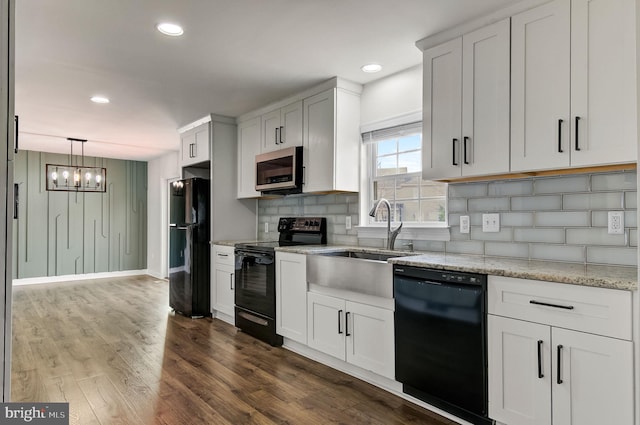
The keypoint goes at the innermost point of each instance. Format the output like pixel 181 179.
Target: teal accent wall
pixel 62 233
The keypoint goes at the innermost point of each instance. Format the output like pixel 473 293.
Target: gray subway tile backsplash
pixel 561 218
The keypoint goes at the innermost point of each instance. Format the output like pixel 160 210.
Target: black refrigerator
pixel 189 265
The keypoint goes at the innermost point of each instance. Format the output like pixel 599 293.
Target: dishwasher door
pixel 440 339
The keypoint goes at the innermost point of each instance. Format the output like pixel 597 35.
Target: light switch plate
pixel 347 222
pixel 490 222
pixel 464 224
pixel 266 227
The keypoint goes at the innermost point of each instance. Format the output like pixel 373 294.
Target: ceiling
pixel 234 56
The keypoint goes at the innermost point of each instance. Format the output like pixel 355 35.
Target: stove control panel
pixel 301 224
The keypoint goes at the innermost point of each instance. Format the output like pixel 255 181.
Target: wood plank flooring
pixel 112 349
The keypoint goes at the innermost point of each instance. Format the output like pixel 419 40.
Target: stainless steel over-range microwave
pixel 279 172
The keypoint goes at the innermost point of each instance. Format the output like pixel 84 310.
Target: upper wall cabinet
pixel 573 99
pixel 331 140
pixel 282 128
pixel 248 148
pixel 194 145
pixel 466 105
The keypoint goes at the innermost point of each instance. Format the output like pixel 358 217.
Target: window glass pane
pixel 433 210
pixel 429 188
pixel 386 165
pixel 396 171
pixel 408 187
pixel 409 162
pixel 384 189
pixel 410 143
pixel 386 147
pixel 408 210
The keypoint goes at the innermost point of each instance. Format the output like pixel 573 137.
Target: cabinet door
pixel 603 82
pixel 319 138
pixel 325 323
pixel 596 379
pixel 291 296
pixel 195 145
pixel 224 289
pixel 540 87
pixel 370 341
pixel 442 111
pixel 485 100
pixel 291 121
pixel 248 148
pixel 518 395
pixel 271 131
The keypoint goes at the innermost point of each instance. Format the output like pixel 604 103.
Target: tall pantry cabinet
pixel 8 139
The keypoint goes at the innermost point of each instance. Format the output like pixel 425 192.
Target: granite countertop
pixel 232 243
pixel 612 277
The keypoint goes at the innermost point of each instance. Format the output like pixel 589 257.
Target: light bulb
pixel 87 176
pixel 76 177
pixel 65 174
pixel 54 175
pixel 98 178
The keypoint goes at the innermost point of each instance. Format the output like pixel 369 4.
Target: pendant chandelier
pixel 76 177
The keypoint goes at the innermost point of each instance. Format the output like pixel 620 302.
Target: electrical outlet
pixel 615 223
pixel 464 224
pixel 266 227
pixel 347 222
pixel 490 222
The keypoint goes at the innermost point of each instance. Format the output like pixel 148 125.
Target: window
pixel 395 173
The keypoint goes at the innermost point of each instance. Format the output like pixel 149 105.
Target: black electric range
pixel 255 275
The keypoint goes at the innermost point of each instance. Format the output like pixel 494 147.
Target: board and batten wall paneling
pixel 63 233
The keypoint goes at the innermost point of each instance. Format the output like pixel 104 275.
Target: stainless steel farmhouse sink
pixel 365 272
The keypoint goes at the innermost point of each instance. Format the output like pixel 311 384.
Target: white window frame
pixel 410 231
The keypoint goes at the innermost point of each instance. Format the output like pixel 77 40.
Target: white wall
pixel 160 170
pixel 392 98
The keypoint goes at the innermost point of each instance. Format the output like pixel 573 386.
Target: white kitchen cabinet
pixel 540 87
pixel 357 333
pixel 466 105
pixel 331 140
pixel 194 145
pixel 573 76
pixel 603 82
pixel 291 296
pixel 248 148
pixel 222 282
pixel 542 370
pixel 282 128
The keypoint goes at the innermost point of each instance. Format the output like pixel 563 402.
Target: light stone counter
pixel 231 243
pixel 612 277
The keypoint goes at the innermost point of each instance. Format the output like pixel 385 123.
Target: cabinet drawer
pixel 223 255
pixel 595 310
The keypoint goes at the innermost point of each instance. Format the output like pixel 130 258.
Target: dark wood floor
pixel 112 349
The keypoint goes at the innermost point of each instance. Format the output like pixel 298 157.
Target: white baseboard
pixel 155 274
pixel 72 277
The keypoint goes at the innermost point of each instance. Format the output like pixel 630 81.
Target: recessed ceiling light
pixel 372 67
pixel 100 99
pixel 167 28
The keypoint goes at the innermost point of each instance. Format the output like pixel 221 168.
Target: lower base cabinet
pixel 291 296
pixel 222 282
pixel 543 374
pixel 357 333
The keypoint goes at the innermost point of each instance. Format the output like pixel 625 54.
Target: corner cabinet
pixel 291 296
pixel 222 283
pixel 573 73
pixel 194 145
pixel 466 105
pixel 248 148
pixel 357 333
pixel 331 140
pixel 282 128
pixel 559 354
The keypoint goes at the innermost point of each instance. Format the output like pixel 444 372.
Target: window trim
pixel 413 231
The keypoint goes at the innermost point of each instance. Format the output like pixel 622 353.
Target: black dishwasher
pixel 440 339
